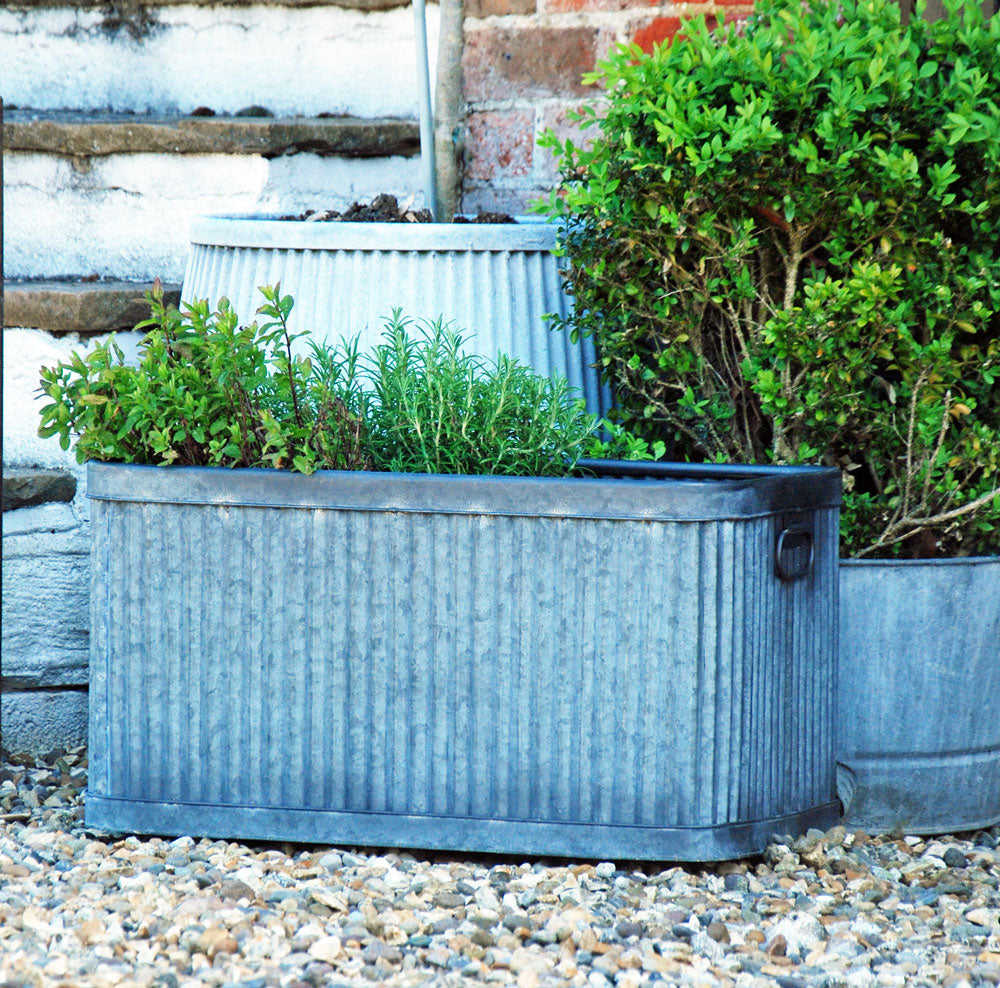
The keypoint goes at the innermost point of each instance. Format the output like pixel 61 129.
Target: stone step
pixel 28 487
pixel 85 308
pixel 113 195
pixel 137 8
pixel 100 134
pixel 291 58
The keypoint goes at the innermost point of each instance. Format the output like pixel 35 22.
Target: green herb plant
pixel 206 392
pixel 785 242
pixel 209 392
pixel 436 409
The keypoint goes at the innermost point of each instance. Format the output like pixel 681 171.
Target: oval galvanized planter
pixel 603 667
pixel 495 281
pixel 919 698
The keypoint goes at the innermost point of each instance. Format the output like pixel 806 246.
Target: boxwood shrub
pixel 785 240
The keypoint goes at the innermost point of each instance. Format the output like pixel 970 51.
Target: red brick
pixel 499 144
pixel 656 32
pixel 510 62
pixel 479 198
pixel 736 14
pixel 500 8
pixel 607 42
pixel 736 17
pixel 557 119
pixel 664 29
pixel 572 6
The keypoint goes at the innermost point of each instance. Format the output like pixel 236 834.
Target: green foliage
pixel 207 392
pixel 436 409
pixel 785 242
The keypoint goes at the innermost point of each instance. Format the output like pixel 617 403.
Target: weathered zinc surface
pixel 581 667
pixel 494 282
pixel 920 694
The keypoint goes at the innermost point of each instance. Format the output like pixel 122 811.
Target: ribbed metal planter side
pixel 919 700
pixel 591 668
pixel 496 282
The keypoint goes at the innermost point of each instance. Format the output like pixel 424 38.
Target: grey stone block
pixel 38 720
pixel 26 487
pixel 46 597
pixel 89 135
pixel 80 307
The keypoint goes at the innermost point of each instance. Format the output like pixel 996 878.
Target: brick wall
pixel 522 68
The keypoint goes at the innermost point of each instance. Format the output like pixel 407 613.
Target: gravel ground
pixel 81 908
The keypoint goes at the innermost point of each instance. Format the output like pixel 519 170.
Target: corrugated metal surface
pixel 650 677
pixel 919 699
pixel 479 279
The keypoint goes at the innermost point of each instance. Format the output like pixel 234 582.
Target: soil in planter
pixel 386 209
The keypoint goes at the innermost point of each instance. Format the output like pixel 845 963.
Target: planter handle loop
pixel 793 540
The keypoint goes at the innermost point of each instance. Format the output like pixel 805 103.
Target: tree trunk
pixel 935 9
pixel 449 118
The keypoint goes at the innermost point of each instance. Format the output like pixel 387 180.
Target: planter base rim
pixel 338 827
pixel 868 826
pixel 920 794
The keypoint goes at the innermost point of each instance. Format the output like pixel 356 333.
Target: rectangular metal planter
pixel 614 666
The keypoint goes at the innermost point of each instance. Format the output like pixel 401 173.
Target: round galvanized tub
pixel 919 696
pixel 494 281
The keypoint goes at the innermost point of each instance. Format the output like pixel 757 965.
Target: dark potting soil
pixel 386 209
pixel 486 218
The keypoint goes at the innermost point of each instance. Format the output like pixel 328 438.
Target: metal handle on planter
pixel 790 535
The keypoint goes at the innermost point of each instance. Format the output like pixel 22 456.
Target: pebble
pixel 824 910
pixel 629 928
pixel 954 858
pixel 802 932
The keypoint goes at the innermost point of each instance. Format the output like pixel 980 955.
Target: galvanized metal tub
pixel 919 699
pixel 495 281
pixel 603 667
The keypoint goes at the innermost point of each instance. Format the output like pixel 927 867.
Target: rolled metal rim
pixel 916 563
pixel 527 233
pixel 672 499
pixel 572 839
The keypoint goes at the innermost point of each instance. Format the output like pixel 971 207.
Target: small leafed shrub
pixel 785 242
pixel 209 392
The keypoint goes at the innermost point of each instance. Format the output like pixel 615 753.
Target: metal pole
pixel 426 117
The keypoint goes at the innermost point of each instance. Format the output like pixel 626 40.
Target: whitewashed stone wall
pixel 302 60
pixel 127 216
pixel 45 564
